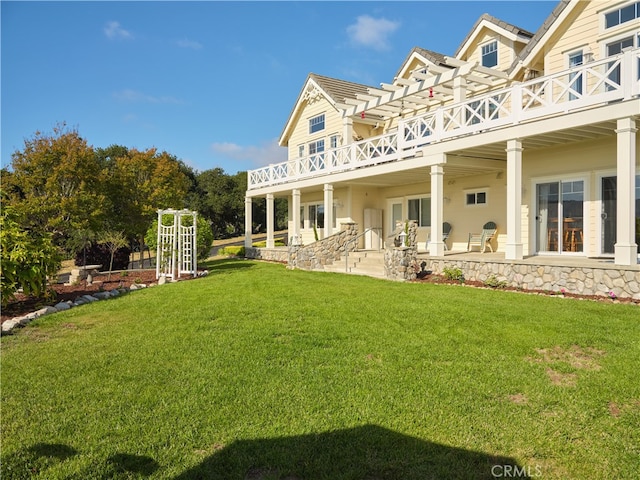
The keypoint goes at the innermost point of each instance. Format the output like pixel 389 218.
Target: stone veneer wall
pixel 277 254
pixel 318 254
pixel 400 263
pixel 606 281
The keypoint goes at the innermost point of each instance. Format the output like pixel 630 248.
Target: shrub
pixel 453 273
pixel 99 254
pixel 27 258
pixel 493 282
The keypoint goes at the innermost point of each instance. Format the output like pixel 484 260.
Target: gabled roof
pixel 501 27
pixel 333 89
pixel 549 26
pixel 429 56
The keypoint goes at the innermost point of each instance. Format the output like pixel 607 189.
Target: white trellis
pixel 177 251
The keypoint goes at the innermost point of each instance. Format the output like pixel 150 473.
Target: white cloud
pixel 133 96
pixel 260 155
pixel 114 30
pixel 372 32
pixel 186 43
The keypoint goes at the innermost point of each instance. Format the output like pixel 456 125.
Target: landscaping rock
pixel 62 306
pixel 45 311
pixel 90 298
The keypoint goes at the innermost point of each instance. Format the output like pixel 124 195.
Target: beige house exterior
pixel 535 131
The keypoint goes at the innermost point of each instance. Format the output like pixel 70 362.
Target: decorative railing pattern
pixel 611 79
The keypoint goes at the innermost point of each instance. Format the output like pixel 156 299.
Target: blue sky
pixel 210 82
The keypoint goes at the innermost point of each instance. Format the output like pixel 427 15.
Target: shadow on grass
pixel 226 265
pixel 137 464
pixel 368 452
pixel 36 460
pixel 33 460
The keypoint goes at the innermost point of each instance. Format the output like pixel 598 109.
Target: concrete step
pixel 369 263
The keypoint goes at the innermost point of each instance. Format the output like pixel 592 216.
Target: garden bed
pixel 24 304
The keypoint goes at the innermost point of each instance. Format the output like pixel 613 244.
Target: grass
pixel 257 372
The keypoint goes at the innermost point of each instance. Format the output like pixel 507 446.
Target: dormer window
pixel 490 54
pixel 316 124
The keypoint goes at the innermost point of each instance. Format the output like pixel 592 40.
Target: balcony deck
pixel 584 88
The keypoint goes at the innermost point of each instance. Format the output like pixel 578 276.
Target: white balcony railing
pixel 611 79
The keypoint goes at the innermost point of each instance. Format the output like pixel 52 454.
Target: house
pixel 536 132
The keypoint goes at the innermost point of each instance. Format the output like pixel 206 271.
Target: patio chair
pixel 483 240
pixel 446 231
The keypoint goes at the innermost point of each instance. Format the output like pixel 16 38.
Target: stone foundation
pixel 276 254
pixel 606 281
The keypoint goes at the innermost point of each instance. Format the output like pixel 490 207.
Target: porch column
pixel 436 245
pixel 626 248
pixel 248 242
pixel 270 217
pixel 347 130
pixel 328 210
pixel 295 215
pixel 459 89
pixel 514 200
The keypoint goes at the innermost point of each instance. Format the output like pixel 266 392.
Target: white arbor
pixel 177 251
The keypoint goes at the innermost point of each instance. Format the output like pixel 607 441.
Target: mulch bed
pixel 23 304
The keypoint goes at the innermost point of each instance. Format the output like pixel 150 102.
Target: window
pixel 420 211
pixel 575 78
pixel 316 215
pixel 490 54
pixel 300 150
pixel 334 141
pixel 476 198
pixel 316 162
pixel 615 48
pixel 622 15
pixel 316 147
pixel 316 124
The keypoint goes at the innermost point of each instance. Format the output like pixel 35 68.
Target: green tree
pixel 55 184
pixel 113 240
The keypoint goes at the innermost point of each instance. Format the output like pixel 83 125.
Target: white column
pixel 248 242
pixel 270 217
pixel 328 210
pixel 626 248
pixel 295 215
pixel 436 245
pixel 347 130
pixel 459 89
pixel 514 200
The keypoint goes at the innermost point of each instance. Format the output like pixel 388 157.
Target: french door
pixel 608 213
pixel 560 217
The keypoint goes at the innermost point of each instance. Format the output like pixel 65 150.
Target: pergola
pixel 426 86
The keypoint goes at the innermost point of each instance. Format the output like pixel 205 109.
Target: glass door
pixel 547 234
pixel 608 214
pixel 560 217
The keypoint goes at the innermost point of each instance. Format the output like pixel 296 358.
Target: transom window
pixel 490 54
pixel 476 198
pixel 316 124
pixel 420 211
pixel 622 15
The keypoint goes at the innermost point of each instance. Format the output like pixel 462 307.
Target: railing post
pixel 516 103
pixel 438 125
pixel 628 74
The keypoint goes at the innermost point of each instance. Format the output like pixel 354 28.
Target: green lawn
pixel 257 372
